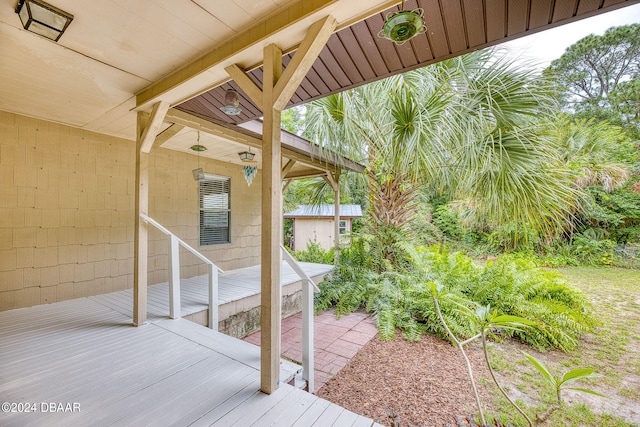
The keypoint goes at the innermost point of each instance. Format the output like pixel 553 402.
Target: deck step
pixel 241 351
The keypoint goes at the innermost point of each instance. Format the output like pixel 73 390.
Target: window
pixel 342 227
pixel 215 211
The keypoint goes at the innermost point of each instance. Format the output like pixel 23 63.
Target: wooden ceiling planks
pixel 435 29
pixel 454 23
pixel 540 13
pixel 563 10
pixel 356 55
pixel 367 40
pixel 361 61
pixel 496 15
pixel 474 22
pixel 517 16
pixel 344 61
pixel 588 6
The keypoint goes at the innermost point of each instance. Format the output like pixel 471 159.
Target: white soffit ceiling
pixel 111 50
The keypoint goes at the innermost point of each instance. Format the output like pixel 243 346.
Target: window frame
pixel 208 236
pixel 342 231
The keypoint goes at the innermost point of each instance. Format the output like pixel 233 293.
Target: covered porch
pixel 80 362
pixel 90 123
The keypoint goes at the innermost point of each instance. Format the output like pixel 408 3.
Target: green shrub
pixel 403 299
pixel 513 237
pixel 314 253
pixel 448 222
pixel 592 251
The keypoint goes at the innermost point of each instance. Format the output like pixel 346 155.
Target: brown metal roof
pixel 355 55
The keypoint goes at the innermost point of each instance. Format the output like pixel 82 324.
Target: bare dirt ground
pixel 424 383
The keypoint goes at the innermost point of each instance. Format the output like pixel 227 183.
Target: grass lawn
pixel 613 349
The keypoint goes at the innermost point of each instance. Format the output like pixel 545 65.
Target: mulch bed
pixel 424 383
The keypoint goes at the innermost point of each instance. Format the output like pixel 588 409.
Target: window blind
pixel 215 211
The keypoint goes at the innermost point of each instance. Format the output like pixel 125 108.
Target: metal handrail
pixel 174 274
pixel 307 318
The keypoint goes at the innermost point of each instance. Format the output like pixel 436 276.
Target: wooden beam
pixel 151 129
pixel 331 181
pixel 270 289
pixel 140 235
pixel 246 84
pixel 166 135
pixel 307 173
pixel 245 137
pixel 303 60
pixel 291 163
pixel 194 77
pixel 287 183
pixel 239 135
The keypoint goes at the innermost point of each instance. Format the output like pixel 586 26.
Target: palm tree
pixel 469 126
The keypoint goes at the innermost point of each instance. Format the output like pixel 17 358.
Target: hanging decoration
pixel 198 174
pixel 250 172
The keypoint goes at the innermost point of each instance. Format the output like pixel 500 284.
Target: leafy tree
pixel 469 126
pixel 590 150
pixel 600 75
pixel 293 119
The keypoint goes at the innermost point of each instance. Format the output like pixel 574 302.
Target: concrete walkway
pixel 336 341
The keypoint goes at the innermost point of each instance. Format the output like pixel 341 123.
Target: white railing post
pixel 174 278
pixel 308 288
pixel 308 363
pixel 213 297
pixel 174 274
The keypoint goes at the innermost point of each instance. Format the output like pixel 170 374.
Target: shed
pixel 315 223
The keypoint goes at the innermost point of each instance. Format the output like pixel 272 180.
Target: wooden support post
pixel 140 237
pixel 334 181
pixel 277 89
pixel 147 130
pixel 270 290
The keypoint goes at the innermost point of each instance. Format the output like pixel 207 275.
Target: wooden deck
pixel 84 354
pixel 233 285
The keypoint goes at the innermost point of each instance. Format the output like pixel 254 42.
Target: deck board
pixel 171 372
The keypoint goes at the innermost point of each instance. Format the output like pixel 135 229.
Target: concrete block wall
pixel 67 213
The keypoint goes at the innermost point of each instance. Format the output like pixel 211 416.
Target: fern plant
pixel 402 299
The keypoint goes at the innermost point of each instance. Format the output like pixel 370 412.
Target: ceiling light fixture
pixel 43 19
pixel 246 156
pixel 231 103
pixel 198 174
pixel 249 171
pixel 399 27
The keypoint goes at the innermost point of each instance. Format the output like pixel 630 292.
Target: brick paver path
pixel 336 340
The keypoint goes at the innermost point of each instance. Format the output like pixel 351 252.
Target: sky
pixel 548 45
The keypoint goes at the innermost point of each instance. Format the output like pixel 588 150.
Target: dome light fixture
pixel 399 27
pixel 231 103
